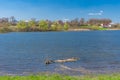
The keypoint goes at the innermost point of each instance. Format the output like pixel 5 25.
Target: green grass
pixel 62 77
pixel 38 77
pixel 102 28
pixel 101 77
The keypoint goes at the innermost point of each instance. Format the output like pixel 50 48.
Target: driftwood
pixel 73 59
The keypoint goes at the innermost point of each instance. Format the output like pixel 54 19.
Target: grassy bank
pixel 62 77
pixel 39 77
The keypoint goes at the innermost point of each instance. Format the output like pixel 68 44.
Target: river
pixel 25 52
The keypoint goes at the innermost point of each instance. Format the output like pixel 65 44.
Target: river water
pixel 25 52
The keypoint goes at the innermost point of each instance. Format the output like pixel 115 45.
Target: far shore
pixel 91 30
pixel 113 29
pixel 79 30
pixel 76 29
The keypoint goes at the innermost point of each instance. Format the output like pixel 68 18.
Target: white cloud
pixel 101 11
pixel 96 14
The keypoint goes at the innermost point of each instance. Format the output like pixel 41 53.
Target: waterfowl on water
pixel 49 61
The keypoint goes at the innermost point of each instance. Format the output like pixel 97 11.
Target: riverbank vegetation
pixel 62 77
pixel 33 25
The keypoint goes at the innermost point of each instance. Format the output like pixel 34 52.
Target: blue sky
pixel 60 9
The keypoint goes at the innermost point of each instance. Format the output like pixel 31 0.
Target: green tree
pixel 57 26
pixel 43 25
pixel 22 26
pixel 54 26
pixel 66 26
pixel 32 25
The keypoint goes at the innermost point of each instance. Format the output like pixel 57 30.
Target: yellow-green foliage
pixel 32 23
pixel 43 25
pixel 94 27
pixel 54 26
pixel 66 26
pixel 22 26
pixel 102 28
pixel 97 28
pixel 5 29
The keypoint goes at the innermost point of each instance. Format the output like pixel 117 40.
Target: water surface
pixel 25 52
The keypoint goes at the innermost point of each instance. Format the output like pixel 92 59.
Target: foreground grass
pixel 38 77
pixel 62 77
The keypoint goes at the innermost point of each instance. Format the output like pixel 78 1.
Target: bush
pixel 22 26
pixel 5 29
pixel 66 26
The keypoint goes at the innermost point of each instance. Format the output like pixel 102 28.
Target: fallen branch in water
pixel 73 59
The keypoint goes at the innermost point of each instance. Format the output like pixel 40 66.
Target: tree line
pixel 11 24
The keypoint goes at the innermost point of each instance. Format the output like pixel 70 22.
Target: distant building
pixel 107 25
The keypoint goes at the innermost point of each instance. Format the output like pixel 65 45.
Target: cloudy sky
pixel 60 9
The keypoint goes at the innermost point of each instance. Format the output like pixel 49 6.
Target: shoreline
pixel 92 30
pixel 69 30
pixel 79 30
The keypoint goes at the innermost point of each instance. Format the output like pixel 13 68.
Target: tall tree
pixel 43 25
pixel 74 22
pixel 22 26
pixel 82 21
pixel 99 21
pixel 12 20
pixel 66 26
pixel 32 25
